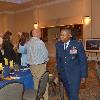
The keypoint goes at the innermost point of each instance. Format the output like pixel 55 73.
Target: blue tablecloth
pixel 25 78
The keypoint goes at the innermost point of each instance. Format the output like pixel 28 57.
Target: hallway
pixel 92 90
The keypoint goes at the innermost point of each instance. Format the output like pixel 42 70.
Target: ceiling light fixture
pixel 35 25
pixel 86 20
pixel 36 17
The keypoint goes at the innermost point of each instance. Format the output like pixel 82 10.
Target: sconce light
pixel 35 25
pixel 86 20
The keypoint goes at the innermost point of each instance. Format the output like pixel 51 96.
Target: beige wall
pixel 95 19
pixel 23 21
pixel 1 24
pixel 68 12
pixel 62 10
pixel 52 34
pixel 10 22
pixel 6 22
pixel 57 14
pixel 60 13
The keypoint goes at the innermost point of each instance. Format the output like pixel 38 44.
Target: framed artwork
pixel 92 45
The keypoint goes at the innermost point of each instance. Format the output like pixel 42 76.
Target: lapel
pixel 62 46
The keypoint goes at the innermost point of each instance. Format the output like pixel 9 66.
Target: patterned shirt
pixel 37 52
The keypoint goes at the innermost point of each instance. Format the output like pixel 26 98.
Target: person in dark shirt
pixel 1 51
pixel 9 52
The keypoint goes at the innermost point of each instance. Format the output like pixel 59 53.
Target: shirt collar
pixel 67 42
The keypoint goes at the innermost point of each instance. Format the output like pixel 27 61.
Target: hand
pixel 15 46
pixel 56 80
pixel 83 83
pixel 83 80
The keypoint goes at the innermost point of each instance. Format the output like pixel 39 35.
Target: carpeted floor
pixel 91 92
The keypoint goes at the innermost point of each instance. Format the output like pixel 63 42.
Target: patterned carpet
pixel 91 92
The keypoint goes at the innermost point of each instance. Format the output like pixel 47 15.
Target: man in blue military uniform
pixel 71 63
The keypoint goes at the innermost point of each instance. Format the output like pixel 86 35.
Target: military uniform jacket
pixel 72 62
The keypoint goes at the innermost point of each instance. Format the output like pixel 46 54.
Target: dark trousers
pixel 72 89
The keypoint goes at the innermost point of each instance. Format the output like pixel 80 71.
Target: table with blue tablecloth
pixel 23 76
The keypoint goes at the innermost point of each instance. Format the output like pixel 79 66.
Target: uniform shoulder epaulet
pixel 74 41
pixel 79 41
pixel 58 42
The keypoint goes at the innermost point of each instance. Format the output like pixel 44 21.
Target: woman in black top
pixel 9 52
pixel 1 54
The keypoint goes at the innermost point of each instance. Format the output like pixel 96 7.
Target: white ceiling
pixel 16 5
pixel 16 1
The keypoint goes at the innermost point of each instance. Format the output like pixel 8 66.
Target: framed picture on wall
pixel 92 45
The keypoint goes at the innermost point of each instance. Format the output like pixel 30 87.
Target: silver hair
pixel 66 30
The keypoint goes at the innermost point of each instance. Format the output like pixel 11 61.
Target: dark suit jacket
pixel 71 63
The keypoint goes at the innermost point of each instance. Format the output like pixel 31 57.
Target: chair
pixel 29 95
pixel 12 91
pixel 98 70
pixel 42 85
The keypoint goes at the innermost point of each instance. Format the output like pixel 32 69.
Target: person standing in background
pixel 22 48
pixel 71 63
pixel 30 34
pixel 8 47
pixel 1 51
pixel 18 60
pixel 37 57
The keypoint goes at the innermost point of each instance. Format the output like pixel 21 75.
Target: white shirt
pixel 66 44
pixel 23 51
pixel 37 52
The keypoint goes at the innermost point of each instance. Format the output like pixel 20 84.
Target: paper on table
pixel 16 77
pixel 25 69
pixel 8 78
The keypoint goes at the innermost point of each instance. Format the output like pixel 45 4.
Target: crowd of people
pixel 31 50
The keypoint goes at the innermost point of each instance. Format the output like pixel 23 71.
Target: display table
pixel 23 76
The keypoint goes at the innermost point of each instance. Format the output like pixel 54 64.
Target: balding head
pixel 36 33
pixel 66 31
